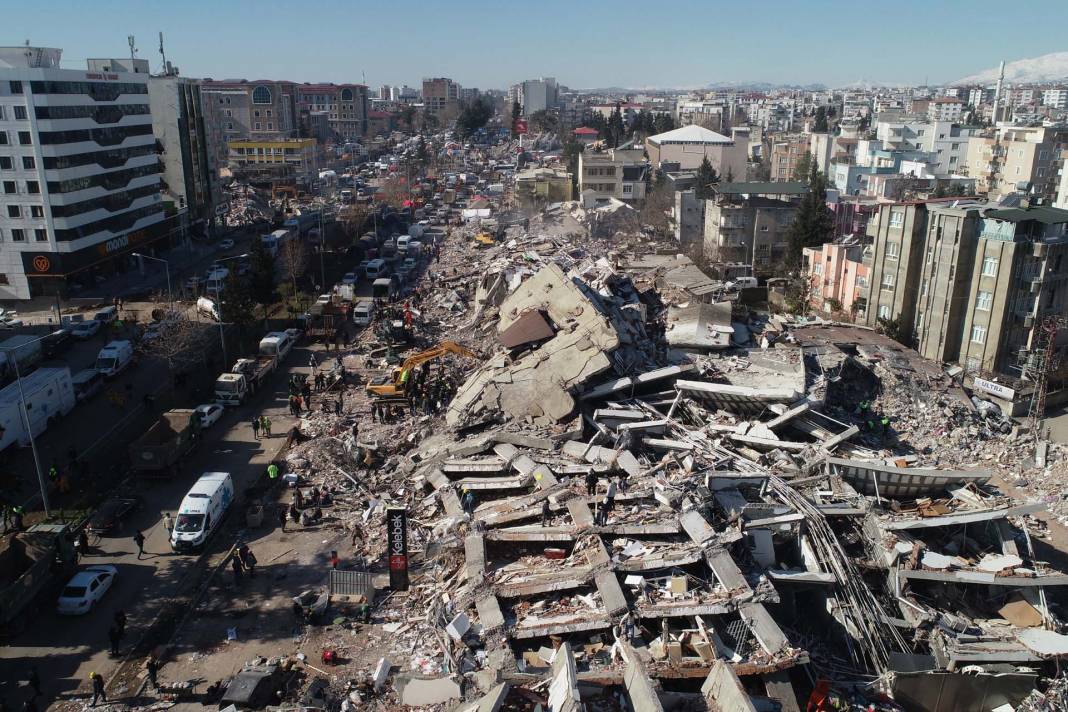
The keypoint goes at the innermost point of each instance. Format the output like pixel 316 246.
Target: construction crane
pixel 1046 362
pixel 394 386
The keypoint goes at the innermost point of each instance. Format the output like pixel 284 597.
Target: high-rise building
pixel 538 95
pixel 440 94
pixel 79 172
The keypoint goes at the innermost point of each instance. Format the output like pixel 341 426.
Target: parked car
pixel 209 414
pixel 56 343
pixel 85 590
pixel 109 516
pixel 85 329
pixel 349 278
pixel 226 244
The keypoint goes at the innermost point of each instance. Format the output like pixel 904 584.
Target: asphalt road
pixel 64 649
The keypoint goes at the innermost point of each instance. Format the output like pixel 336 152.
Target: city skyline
pixel 486 46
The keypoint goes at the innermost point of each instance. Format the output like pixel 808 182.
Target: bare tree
pixel 181 343
pixel 294 260
pixel 658 202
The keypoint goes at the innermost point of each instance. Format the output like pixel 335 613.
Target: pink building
pixel 837 274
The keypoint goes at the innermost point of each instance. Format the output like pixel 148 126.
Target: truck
pixel 302 223
pixel 251 372
pixel 24 351
pixel 34 565
pixel 49 396
pixel 166 442
pixel 274 242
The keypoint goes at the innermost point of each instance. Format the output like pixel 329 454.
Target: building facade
pixel 838 276
pixel 538 95
pixel 440 96
pixel 290 158
pixel 79 171
pixel 345 105
pixel 615 173
pixel 689 146
pixel 747 225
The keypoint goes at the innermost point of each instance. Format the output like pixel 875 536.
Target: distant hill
pixel 1047 68
pixel 763 86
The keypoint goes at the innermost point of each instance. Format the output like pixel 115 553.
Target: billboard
pixel 520 126
pixel 397 537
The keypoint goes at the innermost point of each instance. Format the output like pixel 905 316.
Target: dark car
pixel 56 343
pixel 109 516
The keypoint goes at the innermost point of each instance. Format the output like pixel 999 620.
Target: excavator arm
pixel 396 386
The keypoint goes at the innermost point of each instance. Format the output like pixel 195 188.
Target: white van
pixel 376 268
pixel 107 315
pixel 208 307
pixel 114 358
pixel 402 242
pixel 363 312
pixel 276 343
pixel 202 510
pixel 86 383
pixel 216 281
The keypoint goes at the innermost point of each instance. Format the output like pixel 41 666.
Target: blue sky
pixel 583 43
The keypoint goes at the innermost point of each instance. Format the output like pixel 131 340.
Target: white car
pixel 85 590
pixel 226 244
pixel 85 329
pixel 349 278
pixel 209 414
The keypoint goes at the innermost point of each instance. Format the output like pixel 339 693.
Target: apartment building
pixel 616 173
pixel 971 283
pixel 945 108
pixel 945 141
pixel 1018 159
pixel 1055 98
pixel 838 275
pixel 538 95
pixel 688 220
pixel 243 110
pixel 441 95
pixel 748 224
pixel 79 172
pixel 345 106
pixel 536 187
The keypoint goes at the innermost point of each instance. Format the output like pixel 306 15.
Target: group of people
pixel 261 424
pixel 243 561
pixel 617 483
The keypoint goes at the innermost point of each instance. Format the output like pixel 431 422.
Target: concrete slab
pixel 696 527
pixel 489 613
pixel 611 594
pixel 723 689
pixel 418 692
pixel 563 688
pixel 490 702
pixel 475 553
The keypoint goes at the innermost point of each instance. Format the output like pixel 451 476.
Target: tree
pixel 261 275
pixel 663 123
pixel 894 328
pixel 802 167
pixel 658 202
pixel 543 120
pixel 294 261
pixel 821 121
pixel 706 177
pixel 616 130
pixel 813 224
pixel 408 116
pixel 240 306
pixel 473 116
pixel 729 178
pixel 516 111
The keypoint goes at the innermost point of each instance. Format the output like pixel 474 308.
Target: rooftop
pixel 764 188
pixel 690 134
pixel 1040 213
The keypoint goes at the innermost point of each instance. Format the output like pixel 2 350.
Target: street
pixel 65 650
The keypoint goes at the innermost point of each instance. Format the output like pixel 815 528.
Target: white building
pixel 945 108
pixel 1055 98
pixel 538 95
pixel 946 142
pixel 79 174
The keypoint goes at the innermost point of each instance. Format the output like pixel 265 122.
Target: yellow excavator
pixel 484 239
pixel 394 385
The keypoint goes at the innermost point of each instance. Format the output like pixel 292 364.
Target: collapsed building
pixel 615 520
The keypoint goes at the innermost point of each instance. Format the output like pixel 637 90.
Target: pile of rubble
pixel 246 205
pixel 600 519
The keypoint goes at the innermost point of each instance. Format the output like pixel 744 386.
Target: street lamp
pixel 167 267
pixel 29 430
pixel 218 306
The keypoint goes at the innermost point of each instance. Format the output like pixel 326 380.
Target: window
pixel 33 187
pixel 36 211
pixel 346 95
pixel 763 228
pixel 20 112
pixel 978 334
pixel 268 113
pixel 897 218
pixel 261 95
pixel 3 280
pixel 9 187
pixel 5 163
pixel 3 138
pixel 28 163
pixel 817 268
pixel 257 126
pixel 892 250
pixel 256 113
pixel 16 87
pixel 888 281
pixel 14 211
pixel 270 126
pixel 18 235
pixel 24 138
pixel 229 125
pixel 984 300
pixel 884 311
pixel 990 266
pixel 40 235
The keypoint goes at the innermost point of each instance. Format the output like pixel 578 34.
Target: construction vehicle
pixel 484 239
pixel 161 448
pixel 33 565
pixel 394 385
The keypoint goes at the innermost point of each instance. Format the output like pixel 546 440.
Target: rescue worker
pixel 98 688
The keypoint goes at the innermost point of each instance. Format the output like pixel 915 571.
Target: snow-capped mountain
pixel 1047 68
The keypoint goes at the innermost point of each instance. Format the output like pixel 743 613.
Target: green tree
pixel 408 116
pixel 516 111
pixel 239 307
pixel 820 126
pixel 813 224
pixel 663 123
pixel 706 177
pixel 261 276
pixel 473 116
pixel 895 328
pixel 802 168
pixel 616 130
